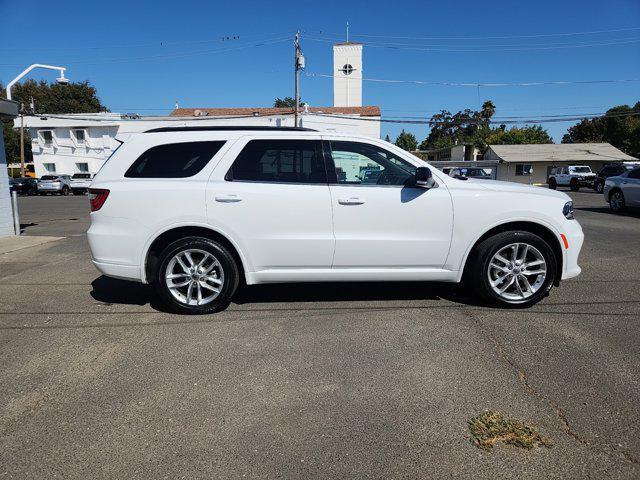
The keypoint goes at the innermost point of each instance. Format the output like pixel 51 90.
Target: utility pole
pixel 296 63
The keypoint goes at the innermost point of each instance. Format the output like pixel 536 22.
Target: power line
pixel 476 84
pixel 488 49
pixel 538 35
pixel 168 56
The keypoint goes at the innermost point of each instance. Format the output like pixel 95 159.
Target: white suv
pixel 195 211
pixel 573 176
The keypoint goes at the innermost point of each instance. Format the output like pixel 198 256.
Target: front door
pixel 271 197
pixel 378 222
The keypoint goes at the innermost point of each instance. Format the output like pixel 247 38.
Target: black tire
pixel 64 191
pixel 574 185
pixel 617 203
pixel 227 264
pixel 479 269
pixel 553 184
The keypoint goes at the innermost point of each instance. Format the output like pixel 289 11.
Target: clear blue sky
pixel 142 56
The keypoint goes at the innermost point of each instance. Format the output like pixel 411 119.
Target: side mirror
pixel 423 178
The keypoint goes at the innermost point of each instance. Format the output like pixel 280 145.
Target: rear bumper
pixel 124 272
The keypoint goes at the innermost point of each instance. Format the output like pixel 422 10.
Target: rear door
pixel 270 195
pixel 384 224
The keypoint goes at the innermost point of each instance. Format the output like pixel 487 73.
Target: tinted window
pixel 175 160
pixel 364 164
pixel 49 177
pixel 634 173
pixel 288 161
pixel 81 175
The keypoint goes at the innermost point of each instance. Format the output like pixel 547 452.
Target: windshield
pixel 580 169
pixel 81 175
pixel 49 177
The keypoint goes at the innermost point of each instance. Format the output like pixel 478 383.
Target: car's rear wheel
pixel 196 275
pixel 65 191
pixel 553 184
pixel 514 269
pixel 617 203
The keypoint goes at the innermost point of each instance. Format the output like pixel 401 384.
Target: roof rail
pixel 226 128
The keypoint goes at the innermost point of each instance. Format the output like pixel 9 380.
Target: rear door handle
pixel 228 198
pixel 350 201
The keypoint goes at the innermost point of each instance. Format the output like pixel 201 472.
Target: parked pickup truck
pixel 573 176
pixel 80 183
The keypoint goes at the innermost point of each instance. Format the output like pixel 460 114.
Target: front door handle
pixel 228 198
pixel 350 201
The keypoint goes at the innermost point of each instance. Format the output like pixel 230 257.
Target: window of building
pixel 82 167
pixel 175 160
pixel 523 169
pixel 47 137
pixel 50 167
pixel 364 164
pixel 279 161
pixel 80 135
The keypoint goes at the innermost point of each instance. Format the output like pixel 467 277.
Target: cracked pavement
pixel 328 381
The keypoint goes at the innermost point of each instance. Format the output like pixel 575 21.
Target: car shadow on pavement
pixel 113 291
pixel 635 213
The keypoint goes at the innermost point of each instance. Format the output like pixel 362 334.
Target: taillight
pixel 97 197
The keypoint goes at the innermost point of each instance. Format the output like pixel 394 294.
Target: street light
pixel 61 79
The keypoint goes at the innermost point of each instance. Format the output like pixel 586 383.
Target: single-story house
pixel 532 164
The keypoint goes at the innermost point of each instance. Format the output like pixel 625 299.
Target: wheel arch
pixel 166 237
pixel 539 229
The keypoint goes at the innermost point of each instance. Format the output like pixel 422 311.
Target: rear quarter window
pixel 174 160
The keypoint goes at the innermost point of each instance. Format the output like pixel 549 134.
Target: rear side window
pixel 175 160
pixel 279 161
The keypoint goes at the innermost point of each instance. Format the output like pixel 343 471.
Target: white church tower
pixel 347 71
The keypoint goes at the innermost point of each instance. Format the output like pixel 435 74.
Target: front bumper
pixel 574 240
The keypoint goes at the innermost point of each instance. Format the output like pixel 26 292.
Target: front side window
pixel 523 169
pixel 634 173
pixel 174 160
pixel 279 161
pixel 364 164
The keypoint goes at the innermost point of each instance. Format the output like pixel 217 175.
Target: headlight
pixel 580 178
pixel 567 210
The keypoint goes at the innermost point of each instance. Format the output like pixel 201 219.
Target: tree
pixel 286 102
pixel 620 127
pixel 407 141
pixel 387 139
pixel 52 98
pixel 473 127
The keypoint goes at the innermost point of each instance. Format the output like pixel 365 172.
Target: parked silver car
pixel 80 183
pixel 623 191
pixel 60 184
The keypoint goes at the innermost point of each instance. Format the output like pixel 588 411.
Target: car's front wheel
pixel 553 184
pixel 617 203
pixel 574 185
pixel 514 269
pixel 196 275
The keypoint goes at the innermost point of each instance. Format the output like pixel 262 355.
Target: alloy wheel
pixel 194 277
pixel 517 271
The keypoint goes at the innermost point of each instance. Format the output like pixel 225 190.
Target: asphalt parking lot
pixel 327 381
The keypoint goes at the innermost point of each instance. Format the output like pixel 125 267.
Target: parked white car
pixel 195 211
pixel 80 183
pixel 573 176
pixel 623 190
